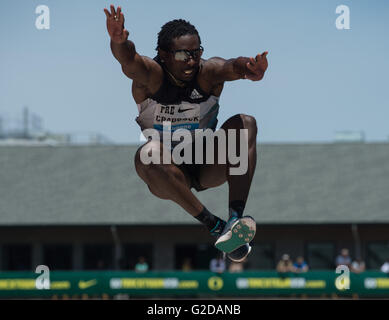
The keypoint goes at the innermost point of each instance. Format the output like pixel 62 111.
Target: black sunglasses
pixel 185 55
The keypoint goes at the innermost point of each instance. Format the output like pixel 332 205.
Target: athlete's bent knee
pixel 151 152
pixel 249 122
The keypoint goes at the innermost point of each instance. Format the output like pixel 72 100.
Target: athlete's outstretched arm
pixel 141 69
pixel 221 70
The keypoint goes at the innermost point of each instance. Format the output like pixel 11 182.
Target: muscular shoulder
pixel 141 90
pixel 207 78
pixel 212 66
pixel 152 64
pixel 155 74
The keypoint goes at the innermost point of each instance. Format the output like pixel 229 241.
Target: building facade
pixel 84 208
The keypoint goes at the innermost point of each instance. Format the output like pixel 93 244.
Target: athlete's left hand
pixel 256 67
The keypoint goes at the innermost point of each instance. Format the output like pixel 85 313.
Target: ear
pixel 163 54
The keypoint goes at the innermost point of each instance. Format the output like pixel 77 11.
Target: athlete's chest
pixel 185 115
pixel 168 93
pixel 188 115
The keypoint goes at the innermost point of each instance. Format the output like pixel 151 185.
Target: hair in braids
pixel 174 29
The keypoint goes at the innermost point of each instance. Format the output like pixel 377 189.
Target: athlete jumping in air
pixel 180 86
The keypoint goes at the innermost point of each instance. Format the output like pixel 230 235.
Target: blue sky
pixel 320 79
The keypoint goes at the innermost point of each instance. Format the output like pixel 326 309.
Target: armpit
pixel 139 92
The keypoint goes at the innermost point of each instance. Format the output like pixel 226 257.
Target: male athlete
pixel 181 86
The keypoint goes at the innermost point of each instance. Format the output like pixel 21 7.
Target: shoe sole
pixel 242 258
pixel 242 232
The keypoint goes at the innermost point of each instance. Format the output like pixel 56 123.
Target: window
pixel 132 252
pixel 198 256
pixel 261 257
pixel 17 257
pixel 376 254
pixel 58 257
pixel 321 255
pixel 98 257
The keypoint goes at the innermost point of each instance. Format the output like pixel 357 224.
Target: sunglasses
pixel 185 55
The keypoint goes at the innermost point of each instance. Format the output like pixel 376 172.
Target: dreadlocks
pixel 174 29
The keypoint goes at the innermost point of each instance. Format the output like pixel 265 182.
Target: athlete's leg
pixel 239 185
pixel 213 175
pixel 167 181
pixel 239 230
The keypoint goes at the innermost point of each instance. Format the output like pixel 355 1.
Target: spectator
pixel 285 264
pixel 142 265
pixel 235 267
pixel 101 265
pixel 123 264
pixel 300 265
pixel 358 265
pixel 187 265
pixel 343 258
pixel 217 264
pixel 385 266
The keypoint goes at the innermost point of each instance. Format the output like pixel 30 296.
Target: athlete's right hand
pixel 115 25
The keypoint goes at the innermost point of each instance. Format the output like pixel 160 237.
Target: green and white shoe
pixel 218 229
pixel 239 254
pixel 236 233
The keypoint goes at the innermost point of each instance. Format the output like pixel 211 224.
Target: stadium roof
pixel 98 185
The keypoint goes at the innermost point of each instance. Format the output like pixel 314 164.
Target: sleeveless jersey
pixel 186 107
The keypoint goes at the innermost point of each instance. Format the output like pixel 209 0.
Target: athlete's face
pixel 183 60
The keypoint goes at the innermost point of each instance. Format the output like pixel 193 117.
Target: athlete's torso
pixel 188 107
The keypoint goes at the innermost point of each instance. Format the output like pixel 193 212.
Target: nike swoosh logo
pixel 183 110
pixel 87 284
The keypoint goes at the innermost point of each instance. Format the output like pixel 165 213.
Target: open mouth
pixel 188 72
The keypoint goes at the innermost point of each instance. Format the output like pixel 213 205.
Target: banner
pixel 188 284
